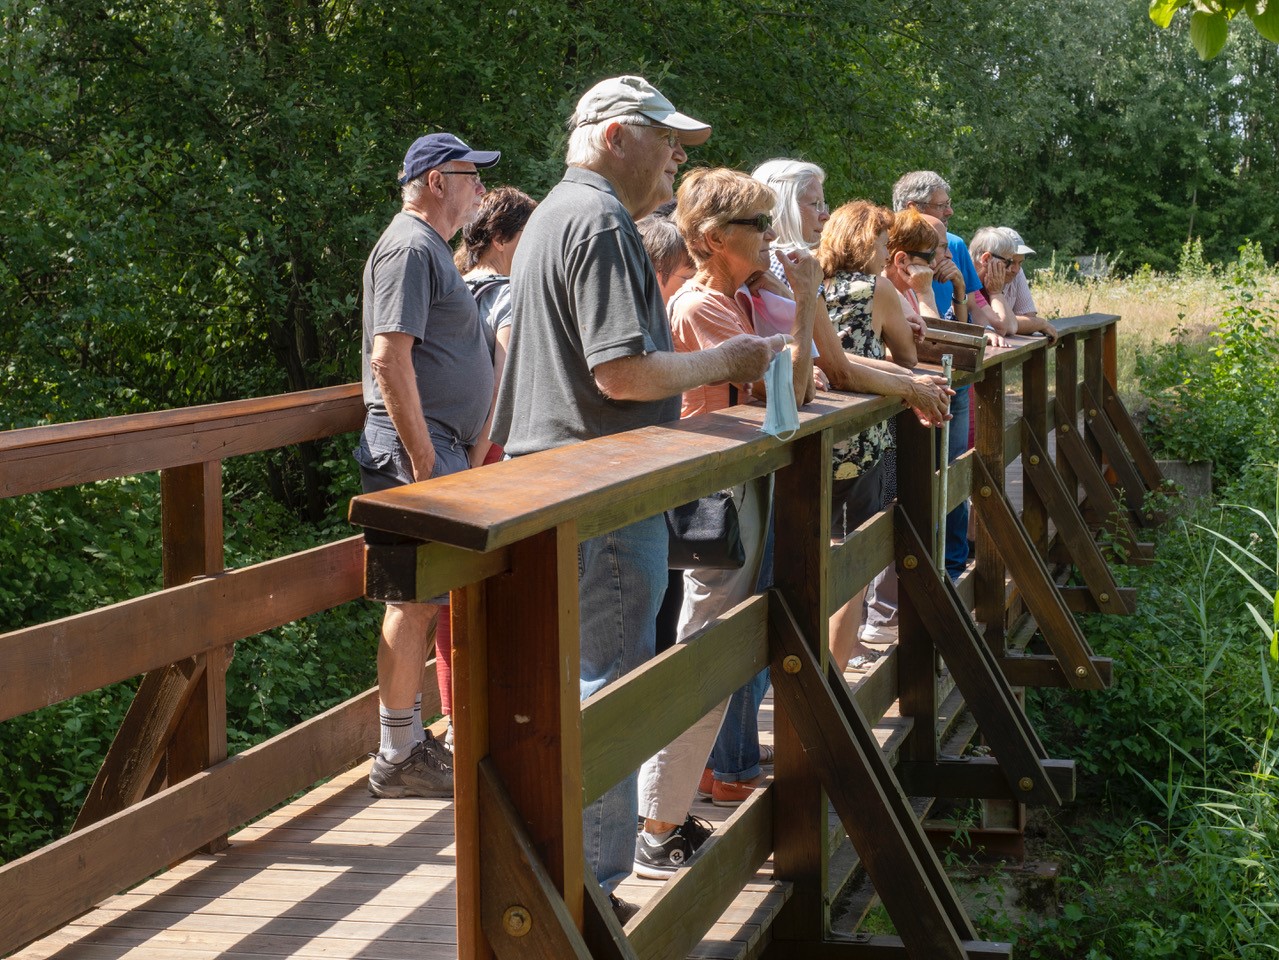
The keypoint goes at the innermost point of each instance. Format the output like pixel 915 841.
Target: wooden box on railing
pixel 965 342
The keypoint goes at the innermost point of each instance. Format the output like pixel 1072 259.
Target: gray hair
pixel 586 141
pixel 788 178
pixel 994 240
pixel 916 187
pixel 411 192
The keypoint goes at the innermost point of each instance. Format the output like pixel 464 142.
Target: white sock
pixel 419 731
pixel 661 837
pixel 397 733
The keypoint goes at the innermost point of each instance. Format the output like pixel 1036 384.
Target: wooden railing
pixel 179 639
pixel 529 754
pixel 529 757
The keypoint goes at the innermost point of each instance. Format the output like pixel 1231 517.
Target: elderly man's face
pixel 653 156
pixel 937 205
pixel 942 251
pixel 1015 262
pixel 463 190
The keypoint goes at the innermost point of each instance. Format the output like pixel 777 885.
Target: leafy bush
pixel 1180 860
pixel 1214 399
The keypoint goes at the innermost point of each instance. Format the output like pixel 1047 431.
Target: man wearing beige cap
pixel 590 356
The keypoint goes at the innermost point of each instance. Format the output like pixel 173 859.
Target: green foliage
pixel 1210 22
pixel 1213 398
pixel 1184 865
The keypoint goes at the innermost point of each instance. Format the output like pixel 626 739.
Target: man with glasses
pixel 927 192
pixel 591 355
pixel 428 387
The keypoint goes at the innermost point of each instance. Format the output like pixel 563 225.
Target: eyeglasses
pixel 925 255
pixel 460 173
pixel 665 133
pixel 1003 260
pixel 940 206
pixel 818 205
pixel 761 222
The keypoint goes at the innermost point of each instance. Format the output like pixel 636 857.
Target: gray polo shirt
pixel 583 292
pixel 411 286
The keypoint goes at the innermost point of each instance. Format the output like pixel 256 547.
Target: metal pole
pixel 939 555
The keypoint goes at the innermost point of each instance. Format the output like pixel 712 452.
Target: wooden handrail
pixel 62 455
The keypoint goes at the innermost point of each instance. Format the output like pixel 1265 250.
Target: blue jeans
pixel 957 519
pixel 621 580
pixel 736 753
pixel 735 756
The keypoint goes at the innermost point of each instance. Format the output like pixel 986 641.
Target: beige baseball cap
pixel 620 96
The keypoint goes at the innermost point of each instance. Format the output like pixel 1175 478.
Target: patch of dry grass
pixel 1152 307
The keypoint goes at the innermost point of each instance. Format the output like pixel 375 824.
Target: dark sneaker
pixel 442 749
pixel 621 909
pixel 422 774
pixel 657 861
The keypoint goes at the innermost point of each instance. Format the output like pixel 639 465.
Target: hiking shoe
pixel 733 793
pixel 621 909
pixel 657 861
pixel 423 773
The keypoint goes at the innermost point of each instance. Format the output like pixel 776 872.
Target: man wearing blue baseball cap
pixel 428 387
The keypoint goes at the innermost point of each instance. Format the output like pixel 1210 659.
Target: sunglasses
pixel 925 255
pixel 762 222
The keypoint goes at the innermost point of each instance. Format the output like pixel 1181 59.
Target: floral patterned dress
pixel 849 297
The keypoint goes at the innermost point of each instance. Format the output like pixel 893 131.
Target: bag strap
pixel 479 287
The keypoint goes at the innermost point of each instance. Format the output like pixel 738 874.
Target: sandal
pixel 765 755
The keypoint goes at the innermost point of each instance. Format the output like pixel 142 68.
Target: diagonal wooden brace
pixel 1073 532
pixel 1098 495
pixel 986 691
pixel 866 946
pixel 521 911
pixel 1130 481
pixel 1037 587
pixel 1120 419
pixel 840 744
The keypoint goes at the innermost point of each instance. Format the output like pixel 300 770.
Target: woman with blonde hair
pixel 725 219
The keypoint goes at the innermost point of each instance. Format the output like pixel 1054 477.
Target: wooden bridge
pixel 499 872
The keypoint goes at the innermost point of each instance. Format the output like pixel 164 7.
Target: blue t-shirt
pixel 945 292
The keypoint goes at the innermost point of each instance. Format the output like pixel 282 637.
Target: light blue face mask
pixel 781 418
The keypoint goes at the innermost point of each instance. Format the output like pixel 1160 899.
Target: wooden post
pixel 988 591
pixel 1093 378
pixel 801 507
pixel 522 692
pixel 1034 389
pixel 191 519
pixel 470 746
pixel 1067 392
pixel 916 655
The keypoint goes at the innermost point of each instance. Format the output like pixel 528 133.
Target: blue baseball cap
pixel 436 149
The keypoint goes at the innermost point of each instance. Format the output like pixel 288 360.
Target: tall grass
pixel 1155 307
